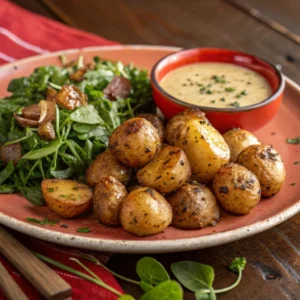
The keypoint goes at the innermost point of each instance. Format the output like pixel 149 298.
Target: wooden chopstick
pixel 44 279
pixel 9 287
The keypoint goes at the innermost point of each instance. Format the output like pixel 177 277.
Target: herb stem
pixel 71 147
pixel 32 169
pixel 77 273
pixel 41 168
pixel 87 269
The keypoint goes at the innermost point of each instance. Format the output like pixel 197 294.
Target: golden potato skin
pixel 237 140
pixel 106 164
pixel 108 196
pixel 237 189
pixel 194 206
pixel 144 211
pixel 135 142
pixel 167 171
pixel 157 123
pixel 265 162
pixel 203 145
pixel 68 198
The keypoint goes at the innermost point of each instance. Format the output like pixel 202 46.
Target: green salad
pixel 62 146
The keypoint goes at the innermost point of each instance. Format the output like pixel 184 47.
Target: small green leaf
pixel 62 174
pixel 33 195
pixel 42 222
pixel 146 287
pixel 126 297
pixel 5 173
pixel 7 189
pixel 295 140
pixel 83 230
pixel 87 115
pixel 201 295
pixel 151 271
pixel 193 275
pixel 167 290
pixel 42 152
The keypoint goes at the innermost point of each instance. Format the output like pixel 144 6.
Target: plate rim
pixel 137 246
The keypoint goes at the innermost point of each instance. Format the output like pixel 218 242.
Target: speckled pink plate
pixel 14 209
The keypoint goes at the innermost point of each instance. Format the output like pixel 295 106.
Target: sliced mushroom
pixel 23 122
pixel 70 97
pixel 46 131
pixel 31 112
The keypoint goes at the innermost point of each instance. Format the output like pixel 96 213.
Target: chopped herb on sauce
pixel 42 222
pixel 50 190
pixel 222 99
pixel 213 101
pixel 295 140
pixel 209 92
pixel 229 89
pixel 235 104
pixel 83 230
pixel 219 79
pixel 293 183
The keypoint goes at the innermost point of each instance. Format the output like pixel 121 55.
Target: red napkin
pixel 25 34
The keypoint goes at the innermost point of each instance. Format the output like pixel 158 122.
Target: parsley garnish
pixel 235 104
pixel 219 79
pixel 295 140
pixel 50 190
pixel 42 222
pixel 83 230
pixel 229 89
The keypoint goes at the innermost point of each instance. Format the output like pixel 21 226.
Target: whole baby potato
pixel 108 196
pixel 157 123
pixel 265 162
pixel 106 164
pixel 145 211
pixel 135 142
pixel 237 189
pixel 237 140
pixel 167 171
pixel 194 206
pixel 203 145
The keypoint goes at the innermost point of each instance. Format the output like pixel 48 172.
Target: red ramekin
pixel 250 117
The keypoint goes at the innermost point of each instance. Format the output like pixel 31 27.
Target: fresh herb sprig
pixel 45 221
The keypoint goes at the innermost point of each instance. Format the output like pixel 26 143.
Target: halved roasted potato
pixel 265 162
pixel 106 164
pixel 46 131
pixel 194 206
pixel 109 194
pixel 167 171
pixel 237 140
pixel 135 142
pixel 68 198
pixel 203 145
pixel 237 189
pixel 145 211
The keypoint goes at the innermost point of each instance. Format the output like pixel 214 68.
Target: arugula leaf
pixel 86 114
pixel 193 275
pixel 151 271
pixel 5 173
pixel 42 152
pixel 166 290
pixel 126 297
pixel 7 189
pixel 46 221
pixel 33 195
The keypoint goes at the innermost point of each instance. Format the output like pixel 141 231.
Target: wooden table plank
pixel 186 23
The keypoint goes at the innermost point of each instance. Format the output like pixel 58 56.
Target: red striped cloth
pixel 24 34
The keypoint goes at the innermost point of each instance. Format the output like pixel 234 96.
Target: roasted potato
pixel 167 171
pixel 265 162
pixel 194 207
pixel 203 145
pixel 237 189
pixel 135 142
pixel 31 112
pixel 108 196
pixel 12 153
pixel 144 211
pixel 104 165
pixel 237 140
pixel 68 198
pixel 157 123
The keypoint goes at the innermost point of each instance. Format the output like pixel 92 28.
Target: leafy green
pixel 203 295
pixel 193 275
pixel 151 271
pixel 166 290
pixel 145 286
pixel 5 173
pixel 295 140
pixel 81 134
pixel 126 297
pixel 83 230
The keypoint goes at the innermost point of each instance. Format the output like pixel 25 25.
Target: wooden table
pixel 271 30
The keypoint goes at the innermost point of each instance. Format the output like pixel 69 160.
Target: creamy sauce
pixel 216 85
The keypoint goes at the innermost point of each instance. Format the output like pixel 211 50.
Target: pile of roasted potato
pixel 144 185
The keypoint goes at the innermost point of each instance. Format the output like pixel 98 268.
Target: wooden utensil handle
pixel 9 287
pixel 44 279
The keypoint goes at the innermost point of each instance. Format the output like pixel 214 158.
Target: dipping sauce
pixel 216 85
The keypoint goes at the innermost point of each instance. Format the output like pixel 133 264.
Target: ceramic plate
pixel 14 209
